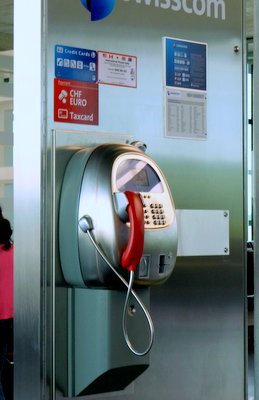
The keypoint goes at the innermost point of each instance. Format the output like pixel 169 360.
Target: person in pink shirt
pixel 6 292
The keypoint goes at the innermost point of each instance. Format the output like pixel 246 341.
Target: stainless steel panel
pixel 28 210
pixel 199 348
pixel 199 313
pixel 203 232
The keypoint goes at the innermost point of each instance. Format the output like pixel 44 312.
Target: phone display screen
pixel 137 176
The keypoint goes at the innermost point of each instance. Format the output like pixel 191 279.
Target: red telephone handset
pixel 133 252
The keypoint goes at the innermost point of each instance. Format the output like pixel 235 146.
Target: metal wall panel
pixel 199 313
pixel 28 133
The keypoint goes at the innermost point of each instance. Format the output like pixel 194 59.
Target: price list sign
pixel 185 64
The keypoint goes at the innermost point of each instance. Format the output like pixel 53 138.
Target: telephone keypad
pixel 154 213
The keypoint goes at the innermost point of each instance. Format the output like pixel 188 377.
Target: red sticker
pixel 75 102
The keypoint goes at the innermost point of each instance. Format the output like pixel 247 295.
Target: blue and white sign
pixel 185 64
pixel 185 89
pixel 75 63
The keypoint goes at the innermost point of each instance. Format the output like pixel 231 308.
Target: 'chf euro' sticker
pixel 99 9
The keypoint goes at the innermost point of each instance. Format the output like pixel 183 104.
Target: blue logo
pixel 99 9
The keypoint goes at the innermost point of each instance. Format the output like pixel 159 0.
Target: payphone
pixel 117 227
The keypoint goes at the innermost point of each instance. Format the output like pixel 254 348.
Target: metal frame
pixel 256 188
pixel 28 133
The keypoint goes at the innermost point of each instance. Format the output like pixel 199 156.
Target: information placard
pixel 185 88
pixel 75 63
pixel 117 69
pixel 186 114
pixel 185 63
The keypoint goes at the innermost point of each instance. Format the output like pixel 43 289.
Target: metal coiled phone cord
pixel 129 291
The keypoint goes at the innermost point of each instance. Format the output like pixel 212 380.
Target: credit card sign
pixel 75 63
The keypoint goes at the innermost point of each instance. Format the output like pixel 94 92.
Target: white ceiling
pixel 6 22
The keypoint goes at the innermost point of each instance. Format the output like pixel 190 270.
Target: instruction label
pixel 185 64
pixel 186 114
pixel 185 88
pixel 117 69
pixel 75 63
pixel 75 102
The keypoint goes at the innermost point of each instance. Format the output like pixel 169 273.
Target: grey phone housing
pixel 93 185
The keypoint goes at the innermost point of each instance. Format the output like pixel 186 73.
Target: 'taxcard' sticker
pixel 75 102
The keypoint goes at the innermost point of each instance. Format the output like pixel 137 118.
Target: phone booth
pixel 117 231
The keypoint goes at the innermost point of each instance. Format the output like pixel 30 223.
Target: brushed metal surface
pixel 29 295
pixel 203 232
pixel 199 313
